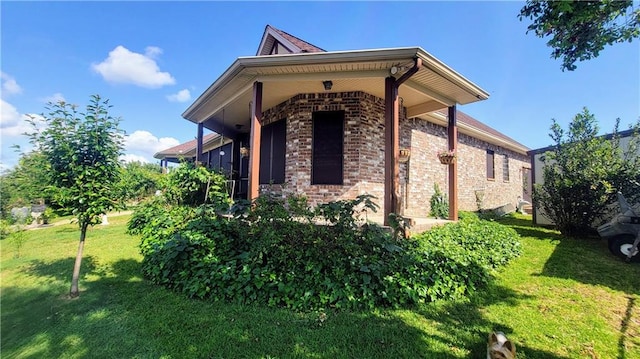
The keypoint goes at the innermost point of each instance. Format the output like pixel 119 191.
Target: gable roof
pixel 294 44
pixel 433 88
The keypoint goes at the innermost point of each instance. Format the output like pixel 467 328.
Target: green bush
pixel 439 203
pixel 275 252
pixel 583 172
pixel 193 185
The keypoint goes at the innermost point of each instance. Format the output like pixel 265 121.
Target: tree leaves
pixel 579 30
pixel 82 151
pixel 583 172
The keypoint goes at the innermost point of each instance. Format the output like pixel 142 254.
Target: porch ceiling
pixel 225 106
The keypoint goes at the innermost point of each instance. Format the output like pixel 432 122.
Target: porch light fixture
pixel 327 85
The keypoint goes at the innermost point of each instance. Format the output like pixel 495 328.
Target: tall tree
pixel 579 30
pixel 82 150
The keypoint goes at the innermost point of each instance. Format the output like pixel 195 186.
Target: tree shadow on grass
pixel 589 261
pixel 586 260
pixel 466 323
pixel 121 315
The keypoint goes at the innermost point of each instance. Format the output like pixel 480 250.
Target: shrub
pixel 439 203
pixel 276 253
pixel 582 173
pixel 193 185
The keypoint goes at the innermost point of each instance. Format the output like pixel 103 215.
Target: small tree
pixel 82 150
pixel 579 30
pixel 582 173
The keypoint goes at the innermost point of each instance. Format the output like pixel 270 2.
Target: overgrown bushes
pixel 284 253
pixel 583 172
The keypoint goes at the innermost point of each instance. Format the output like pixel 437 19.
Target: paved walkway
pixel 34 225
pixel 419 224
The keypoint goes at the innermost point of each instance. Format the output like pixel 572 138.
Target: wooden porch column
pixel 452 136
pixel 199 143
pixel 392 140
pixel 254 142
pixel 391 148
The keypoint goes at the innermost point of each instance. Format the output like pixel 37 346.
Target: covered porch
pixel 412 83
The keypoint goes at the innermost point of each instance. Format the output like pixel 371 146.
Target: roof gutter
pixel 390 54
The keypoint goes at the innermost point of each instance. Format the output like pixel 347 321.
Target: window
pixel 490 165
pixel 272 152
pixel 327 156
pixel 505 168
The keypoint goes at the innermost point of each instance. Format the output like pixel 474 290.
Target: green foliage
pixel 26 183
pixel 283 253
pixel 139 180
pixel 193 185
pixel 439 203
pixel 583 172
pixel 47 215
pixel 579 30
pixel 81 151
pixel 156 221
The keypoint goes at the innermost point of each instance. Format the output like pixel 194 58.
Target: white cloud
pixel 145 143
pixel 180 96
pixel 124 66
pixel 129 157
pixel 9 85
pixel 13 123
pixel 152 51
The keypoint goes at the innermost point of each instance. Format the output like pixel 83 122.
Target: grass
pixel 560 299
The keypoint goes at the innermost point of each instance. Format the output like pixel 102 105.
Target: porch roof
pixel 188 149
pixel 225 106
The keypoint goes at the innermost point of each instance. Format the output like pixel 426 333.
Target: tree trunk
pixel 76 267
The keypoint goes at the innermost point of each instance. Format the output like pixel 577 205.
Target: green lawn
pixel 560 299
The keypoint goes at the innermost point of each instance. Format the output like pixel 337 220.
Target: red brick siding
pixel 427 139
pixel 364 156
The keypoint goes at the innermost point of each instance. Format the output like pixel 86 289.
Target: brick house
pixel 333 125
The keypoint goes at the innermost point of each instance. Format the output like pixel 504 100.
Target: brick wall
pixel 364 156
pixel 363 144
pixel 426 139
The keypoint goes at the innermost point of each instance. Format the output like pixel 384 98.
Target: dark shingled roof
pixel 470 121
pixel 185 147
pixel 303 45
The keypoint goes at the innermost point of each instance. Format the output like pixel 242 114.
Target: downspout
pixel 392 169
pixel 416 66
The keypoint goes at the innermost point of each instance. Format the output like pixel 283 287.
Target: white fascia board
pixel 226 76
pixel 307 58
pixel 450 74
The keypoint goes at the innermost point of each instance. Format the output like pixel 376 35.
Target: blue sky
pixel 152 59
